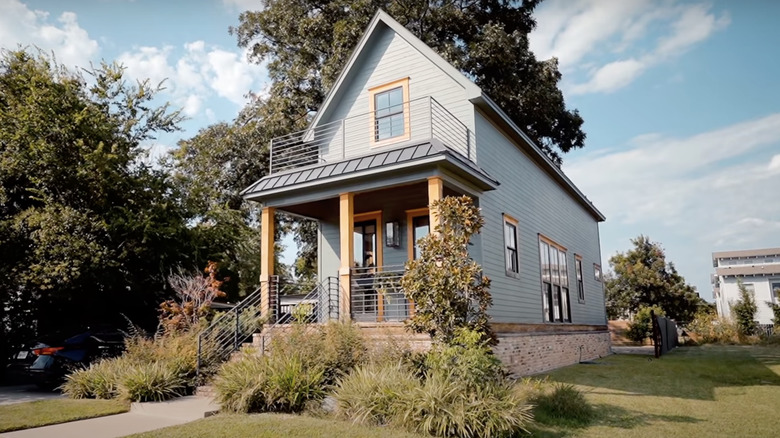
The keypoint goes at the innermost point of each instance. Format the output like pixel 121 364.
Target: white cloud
pixel 21 26
pixel 198 74
pixel 587 36
pixel 243 5
pixel 698 194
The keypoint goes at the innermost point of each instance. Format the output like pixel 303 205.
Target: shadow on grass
pixel 686 372
pixel 606 415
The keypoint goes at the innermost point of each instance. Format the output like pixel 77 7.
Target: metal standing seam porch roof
pixel 324 172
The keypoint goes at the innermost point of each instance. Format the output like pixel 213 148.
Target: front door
pixel 366 246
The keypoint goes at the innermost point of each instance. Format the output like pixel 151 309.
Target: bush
pixel 642 326
pixel 562 402
pixel 154 381
pixel 370 393
pixel 275 383
pixel 467 358
pixel 708 328
pixel 98 381
pixel 446 407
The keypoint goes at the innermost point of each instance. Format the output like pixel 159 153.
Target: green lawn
pixel 710 391
pixel 694 391
pixel 44 412
pixel 272 426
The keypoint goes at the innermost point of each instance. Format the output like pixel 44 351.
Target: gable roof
pixel 473 93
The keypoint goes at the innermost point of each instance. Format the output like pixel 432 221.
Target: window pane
pixel 420 228
pixel 565 304
pixel 382 129
pixel 564 269
pixel 395 96
pixel 544 250
pixel 554 265
pixel 546 292
pixel 578 268
pixel 397 124
pixel 382 101
pixel 556 303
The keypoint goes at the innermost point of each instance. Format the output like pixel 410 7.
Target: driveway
pixel 25 393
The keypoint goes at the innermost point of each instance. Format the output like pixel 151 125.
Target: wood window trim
pixel 372 92
pixel 581 279
pixel 376 215
pixel 410 215
pixel 514 222
pixel 564 319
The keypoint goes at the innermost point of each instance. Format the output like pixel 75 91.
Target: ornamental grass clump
pixel 154 381
pixel 562 403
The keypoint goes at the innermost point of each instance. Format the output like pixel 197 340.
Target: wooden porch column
pixel 347 253
pixel 266 257
pixel 435 193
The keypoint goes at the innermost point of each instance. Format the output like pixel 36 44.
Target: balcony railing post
pixel 430 117
pixel 343 138
pixel 271 157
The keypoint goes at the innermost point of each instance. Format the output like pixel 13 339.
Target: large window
pixel 580 283
pixel 555 281
pixel 389 112
pixel 510 245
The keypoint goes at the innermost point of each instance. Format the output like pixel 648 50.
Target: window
pixel 580 284
pixel 418 226
pixel 389 112
pixel 597 272
pixel 555 281
pixel 510 244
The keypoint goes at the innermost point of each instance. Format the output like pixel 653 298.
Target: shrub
pixel 708 328
pixel 642 326
pixel 467 358
pixel 99 380
pixel 562 402
pixel 744 311
pixel 446 407
pixel 239 384
pixel 154 381
pixel 775 312
pixel 369 394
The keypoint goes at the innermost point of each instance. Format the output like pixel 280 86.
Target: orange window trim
pixel 551 242
pixel 411 214
pixel 380 243
pixel 373 91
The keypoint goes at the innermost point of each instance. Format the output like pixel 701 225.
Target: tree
pixel 446 284
pixel 86 227
pixel 744 311
pixel 306 44
pixel 642 277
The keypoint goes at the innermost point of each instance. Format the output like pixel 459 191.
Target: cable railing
pixel 318 306
pixel 423 119
pixel 377 296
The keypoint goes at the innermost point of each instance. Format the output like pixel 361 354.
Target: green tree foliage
pixel 642 277
pixel 641 327
pixel 744 311
pixel 85 224
pixel 445 283
pixel 307 43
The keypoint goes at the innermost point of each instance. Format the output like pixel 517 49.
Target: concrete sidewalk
pixel 142 417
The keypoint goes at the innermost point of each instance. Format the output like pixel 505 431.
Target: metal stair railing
pixel 318 306
pixel 232 328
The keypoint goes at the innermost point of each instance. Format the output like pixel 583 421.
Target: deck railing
pixel 377 295
pixel 424 119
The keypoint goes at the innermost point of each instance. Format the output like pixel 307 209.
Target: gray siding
pixel 388 57
pixel 540 205
pixel 328 249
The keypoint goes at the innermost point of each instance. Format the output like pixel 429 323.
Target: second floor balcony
pixel 416 120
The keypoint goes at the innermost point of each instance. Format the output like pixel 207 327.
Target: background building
pixel 757 269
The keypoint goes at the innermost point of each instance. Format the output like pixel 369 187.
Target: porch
pixel 364 241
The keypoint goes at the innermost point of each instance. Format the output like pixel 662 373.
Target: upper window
pixel 597 272
pixel 580 284
pixel 389 112
pixel 510 244
pixel 555 281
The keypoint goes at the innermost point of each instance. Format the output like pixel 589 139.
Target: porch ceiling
pixel 403 160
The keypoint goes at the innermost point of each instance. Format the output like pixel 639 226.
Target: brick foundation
pixel 532 353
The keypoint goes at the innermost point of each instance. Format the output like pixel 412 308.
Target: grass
pixel 44 412
pixel 273 426
pixel 693 391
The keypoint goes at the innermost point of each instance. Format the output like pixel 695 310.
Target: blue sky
pixel 680 101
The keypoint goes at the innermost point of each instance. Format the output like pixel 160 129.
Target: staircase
pixel 287 305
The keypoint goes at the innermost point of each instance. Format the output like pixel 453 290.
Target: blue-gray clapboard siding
pixel 388 57
pixel 540 205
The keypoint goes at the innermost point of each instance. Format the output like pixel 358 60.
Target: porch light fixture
pixel 392 237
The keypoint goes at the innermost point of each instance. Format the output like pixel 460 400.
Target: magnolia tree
pixel 447 286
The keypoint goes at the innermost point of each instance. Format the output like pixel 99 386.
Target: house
pixel 757 269
pixel 402 128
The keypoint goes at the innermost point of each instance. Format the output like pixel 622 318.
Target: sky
pixel 680 101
